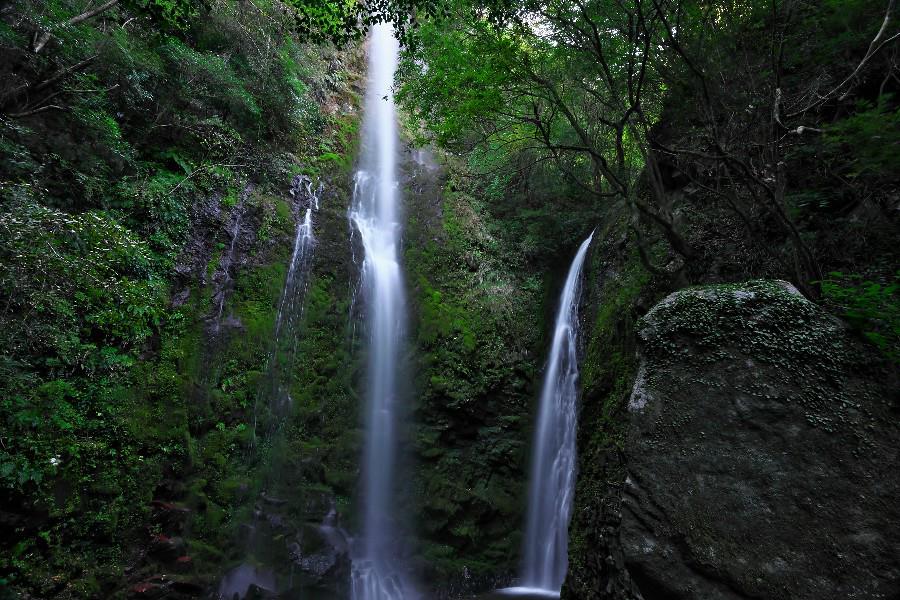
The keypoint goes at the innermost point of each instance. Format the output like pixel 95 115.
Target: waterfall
pixel 290 306
pixel 225 282
pixel 375 572
pixel 303 193
pixel 272 395
pixel 553 461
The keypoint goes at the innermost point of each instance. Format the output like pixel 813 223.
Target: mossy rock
pixel 753 402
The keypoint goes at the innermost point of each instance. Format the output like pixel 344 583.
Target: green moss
pixel 765 322
pixel 214 260
pixel 205 552
pixel 231 197
pixel 477 339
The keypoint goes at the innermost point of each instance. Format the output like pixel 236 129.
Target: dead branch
pixel 42 37
pixel 876 45
pixel 28 113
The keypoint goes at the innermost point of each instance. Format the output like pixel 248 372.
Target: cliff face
pixel 169 221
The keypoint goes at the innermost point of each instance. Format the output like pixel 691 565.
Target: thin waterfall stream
pixel 290 306
pixel 274 392
pixel 273 397
pixel 376 574
pixel 552 483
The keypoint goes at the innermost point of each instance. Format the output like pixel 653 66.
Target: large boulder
pixel 762 453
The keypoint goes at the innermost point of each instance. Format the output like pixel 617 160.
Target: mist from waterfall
pixel 376 573
pixel 554 460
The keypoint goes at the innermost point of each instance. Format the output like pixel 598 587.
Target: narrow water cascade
pixel 272 394
pixel 375 572
pixel 290 306
pixel 223 279
pixel 307 199
pixel 554 454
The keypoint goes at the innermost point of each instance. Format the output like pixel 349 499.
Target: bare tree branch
pixel 876 44
pixel 42 37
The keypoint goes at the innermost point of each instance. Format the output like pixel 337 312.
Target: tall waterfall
pixel 375 573
pixel 553 461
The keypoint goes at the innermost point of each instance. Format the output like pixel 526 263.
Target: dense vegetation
pixel 120 135
pixel 630 111
pixel 147 150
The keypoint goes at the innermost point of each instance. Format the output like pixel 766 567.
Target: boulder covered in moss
pixel 761 454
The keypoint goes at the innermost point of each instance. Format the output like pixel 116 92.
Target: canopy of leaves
pixel 537 82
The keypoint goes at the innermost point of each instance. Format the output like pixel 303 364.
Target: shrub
pixel 869 306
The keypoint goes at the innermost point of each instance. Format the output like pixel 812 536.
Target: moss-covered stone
pixel 752 402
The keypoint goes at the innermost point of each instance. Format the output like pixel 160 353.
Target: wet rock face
pixel 762 453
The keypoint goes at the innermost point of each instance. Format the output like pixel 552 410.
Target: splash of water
pixel 553 462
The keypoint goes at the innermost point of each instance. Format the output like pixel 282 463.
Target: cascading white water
pixel 375 572
pixel 227 260
pixel 304 240
pixel 273 388
pixel 290 306
pixel 553 461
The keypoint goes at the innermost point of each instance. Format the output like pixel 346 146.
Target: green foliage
pixel 156 207
pixel 343 20
pixel 104 127
pixel 463 82
pixel 442 320
pixel 107 392
pixel 871 307
pixel 177 15
pixel 81 298
pixel 531 80
pixel 73 282
pixel 211 78
pixel 868 140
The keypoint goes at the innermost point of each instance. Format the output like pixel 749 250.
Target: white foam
pixel 528 591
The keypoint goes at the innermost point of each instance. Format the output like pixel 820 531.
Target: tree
pixel 760 82
pixel 573 80
pixel 595 86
